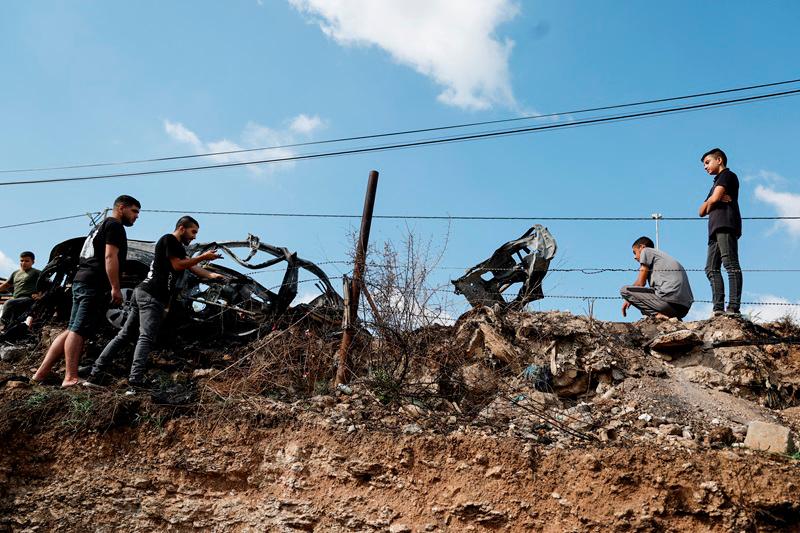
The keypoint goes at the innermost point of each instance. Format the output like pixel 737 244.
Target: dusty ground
pixel 620 437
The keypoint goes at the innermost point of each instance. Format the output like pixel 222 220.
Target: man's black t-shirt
pixel 725 216
pixel 92 266
pixel 160 281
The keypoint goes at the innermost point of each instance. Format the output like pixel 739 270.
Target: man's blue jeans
pixel 723 250
pixel 145 319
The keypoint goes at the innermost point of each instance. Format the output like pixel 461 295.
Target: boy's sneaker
pixel 717 312
pixel 98 378
pixel 85 371
pixel 139 383
pixel 733 313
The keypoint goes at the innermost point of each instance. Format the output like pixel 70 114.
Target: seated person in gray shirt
pixel 669 294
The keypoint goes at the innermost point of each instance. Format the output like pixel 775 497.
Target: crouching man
pixel 152 297
pixel 669 294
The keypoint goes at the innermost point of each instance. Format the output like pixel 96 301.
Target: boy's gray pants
pixel 145 319
pixel 645 300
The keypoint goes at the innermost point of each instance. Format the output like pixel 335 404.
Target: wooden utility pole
pixel 353 288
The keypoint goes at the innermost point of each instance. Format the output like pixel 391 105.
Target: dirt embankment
pixel 509 422
pixel 299 475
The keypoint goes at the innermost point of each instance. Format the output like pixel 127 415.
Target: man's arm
pixel 189 262
pixel 641 281
pixel 112 271
pixel 201 272
pixel 718 195
pixel 641 278
pixel 7 284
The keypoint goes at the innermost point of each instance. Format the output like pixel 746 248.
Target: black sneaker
pixel 99 378
pixel 139 383
pixel 85 371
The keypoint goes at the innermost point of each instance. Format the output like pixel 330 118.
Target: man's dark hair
pixel 27 254
pixel 127 201
pixel 186 222
pixel 648 243
pixel 716 152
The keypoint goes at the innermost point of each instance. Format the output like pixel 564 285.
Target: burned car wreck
pixel 485 283
pixel 236 306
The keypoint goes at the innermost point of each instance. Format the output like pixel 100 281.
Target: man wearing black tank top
pixel 102 259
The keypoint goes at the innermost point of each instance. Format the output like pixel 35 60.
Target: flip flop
pixel 79 383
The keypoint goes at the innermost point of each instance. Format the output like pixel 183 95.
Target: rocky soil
pixel 505 421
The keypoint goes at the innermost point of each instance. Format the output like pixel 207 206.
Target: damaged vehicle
pixel 485 283
pixel 237 305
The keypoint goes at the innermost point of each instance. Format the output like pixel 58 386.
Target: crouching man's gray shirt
pixel 667 277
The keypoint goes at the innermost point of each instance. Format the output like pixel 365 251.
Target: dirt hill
pixel 504 421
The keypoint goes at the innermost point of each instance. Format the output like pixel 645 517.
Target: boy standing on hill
pixel 724 230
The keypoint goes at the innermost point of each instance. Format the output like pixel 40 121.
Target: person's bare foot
pixel 661 316
pixel 71 383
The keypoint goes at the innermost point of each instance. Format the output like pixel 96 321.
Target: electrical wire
pixel 31 223
pixel 403 132
pixel 443 217
pixel 418 143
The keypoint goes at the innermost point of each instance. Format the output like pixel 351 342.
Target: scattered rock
pixel 676 341
pixel 769 437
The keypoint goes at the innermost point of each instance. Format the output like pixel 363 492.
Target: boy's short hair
pixel 646 241
pixel 27 254
pixel 186 222
pixel 716 152
pixel 127 201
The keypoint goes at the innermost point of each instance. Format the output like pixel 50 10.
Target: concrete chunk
pixel 769 437
pixel 677 340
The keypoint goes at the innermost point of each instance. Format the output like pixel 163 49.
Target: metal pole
pixel 657 217
pixel 354 291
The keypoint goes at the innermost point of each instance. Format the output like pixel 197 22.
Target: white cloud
pixel 699 311
pixel 453 42
pixel 253 136
pixel 7 265
pixel 760 311
pixel 766 176
pixel 785 203
pixel 305 125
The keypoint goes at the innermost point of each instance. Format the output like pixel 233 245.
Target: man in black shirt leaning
pixel 724 230
pixel 101 261
pixel 152 297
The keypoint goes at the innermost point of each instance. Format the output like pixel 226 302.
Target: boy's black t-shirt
pixel 725 216
pixel 92 265
pixel 161 280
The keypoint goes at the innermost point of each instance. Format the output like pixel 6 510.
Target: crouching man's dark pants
pixel 145 319
pixel 645 300
pixel 14 309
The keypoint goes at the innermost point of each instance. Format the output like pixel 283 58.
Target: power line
pixel 404 132
pixel 420 143
pixel 44 221
pixel 442 217
pixel 397 217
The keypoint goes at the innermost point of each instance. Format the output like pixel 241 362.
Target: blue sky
pixel 89 81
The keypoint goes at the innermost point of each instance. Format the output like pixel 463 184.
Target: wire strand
pixel 446 217
pixel 403 132
pixel 414 144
